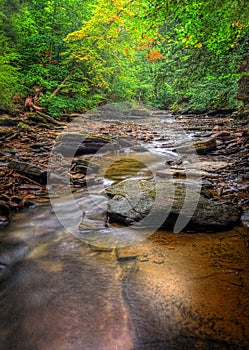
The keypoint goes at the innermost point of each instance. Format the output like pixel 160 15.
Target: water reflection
pixel 173 291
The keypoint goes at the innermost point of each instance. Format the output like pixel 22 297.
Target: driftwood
pixel 29 105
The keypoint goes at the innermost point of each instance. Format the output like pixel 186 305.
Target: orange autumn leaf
pixel 154 55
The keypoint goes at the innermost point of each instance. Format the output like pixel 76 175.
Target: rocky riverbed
pixel 155 290
pixel 210 150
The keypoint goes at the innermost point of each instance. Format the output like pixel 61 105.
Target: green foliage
pixel 212 94
pixel 77 102
pixel 9 80
pixel 215 24
pixel 9 70
pixel 41 27
pixel 78 54
pixel 196 78
pixel 203 43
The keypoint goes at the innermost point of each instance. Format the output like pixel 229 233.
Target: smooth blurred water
pixel 169 291
pixel 164 293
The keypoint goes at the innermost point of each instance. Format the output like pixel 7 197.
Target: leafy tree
pixel 203 43
pixel 9 72
pixel 76 54
pixel 41 27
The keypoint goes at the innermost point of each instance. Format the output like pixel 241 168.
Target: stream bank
pixel 62 289
pixel 219 142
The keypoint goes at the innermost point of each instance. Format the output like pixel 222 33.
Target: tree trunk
pixel 65 80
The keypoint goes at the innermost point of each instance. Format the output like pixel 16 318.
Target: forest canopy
pixel 72 55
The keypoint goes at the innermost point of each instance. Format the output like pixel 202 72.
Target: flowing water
pixel 170 291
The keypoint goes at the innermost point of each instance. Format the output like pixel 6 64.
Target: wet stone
pixel 158 261
pixel 73 144
pixel 5 198
pixel 130 207
pixel 205 146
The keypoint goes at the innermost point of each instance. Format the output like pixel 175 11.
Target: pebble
pixel 159 262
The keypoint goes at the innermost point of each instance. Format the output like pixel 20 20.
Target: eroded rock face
pixel 205 146
pixel 167 201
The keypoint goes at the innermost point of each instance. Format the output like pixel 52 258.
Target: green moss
pixel 24 126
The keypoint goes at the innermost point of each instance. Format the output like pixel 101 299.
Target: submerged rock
pixel 84 167
pixel 133 200
pixel 3 221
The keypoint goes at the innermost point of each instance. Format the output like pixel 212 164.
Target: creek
pixel 169 291
pixel 63 289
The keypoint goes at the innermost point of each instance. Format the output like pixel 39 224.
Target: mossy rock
pixel 134 200
pixel 24 126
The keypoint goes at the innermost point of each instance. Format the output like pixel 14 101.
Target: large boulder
pixel 163 202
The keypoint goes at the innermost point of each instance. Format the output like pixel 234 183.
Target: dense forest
pixel 66 56
pixel 124 174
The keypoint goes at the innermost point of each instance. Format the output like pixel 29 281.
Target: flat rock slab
pixel 71 144
pixel 133 200
pixel 30 170
pixel 205 146
pixel 190 173
pixel 7 120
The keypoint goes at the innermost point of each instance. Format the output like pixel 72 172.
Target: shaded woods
pixel 69 56
pixel 124 202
